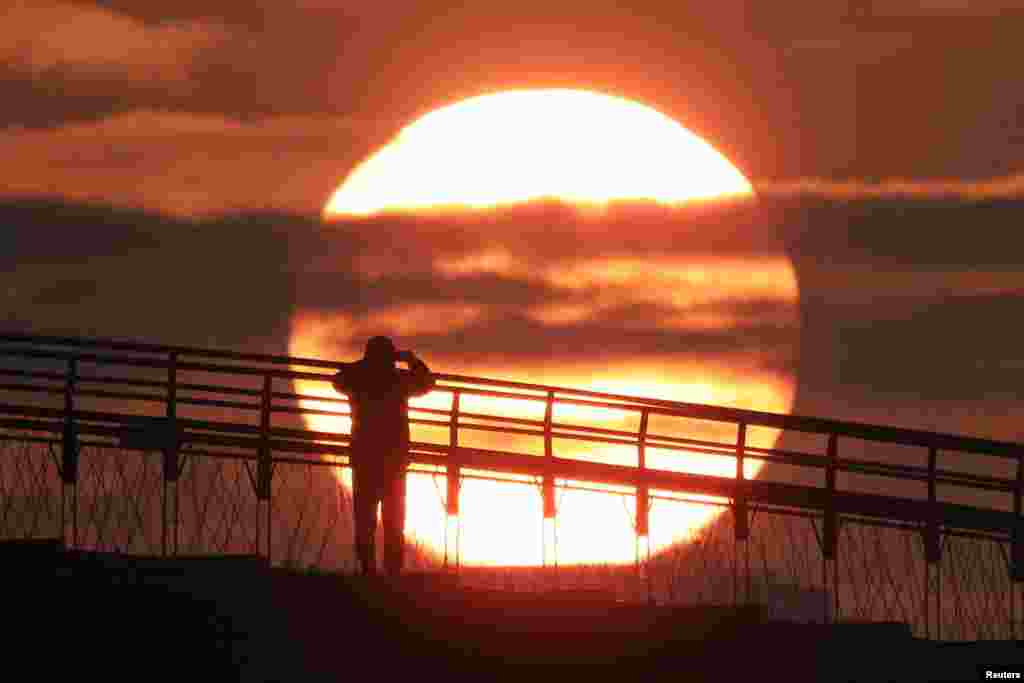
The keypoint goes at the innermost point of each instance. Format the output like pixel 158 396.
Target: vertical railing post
pixel 933 550
pixel 69 458
pixel 927 600
pixel 548 490
pixel 643 508
pixel 264 470
pixel 453 473
pixel 741 523
pixel 1017 543
pixel 830 527
pixel 169 519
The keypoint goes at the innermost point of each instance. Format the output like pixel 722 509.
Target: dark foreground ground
pixel 109 617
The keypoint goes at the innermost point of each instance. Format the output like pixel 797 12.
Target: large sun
pixel 585 149
pixel 521 145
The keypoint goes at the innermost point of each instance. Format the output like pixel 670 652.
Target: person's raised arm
pixel 421 380
pixel 342 381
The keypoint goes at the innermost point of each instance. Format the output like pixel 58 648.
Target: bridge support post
pixel 830 531
pixel 171 468
pixel 933 555
pixel 1016 595
pixel 643 511
pixel 1017 551
pixel 642 549
pixel 741 516
pixel 169 502
pixel 264 475
pixel 827 543
pixel 828 539
pixel 69 461
pixel 453 526
pixel 933 599
pixel 549 531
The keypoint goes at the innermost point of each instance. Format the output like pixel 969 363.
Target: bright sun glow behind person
pixel 516 146
pixel 585 149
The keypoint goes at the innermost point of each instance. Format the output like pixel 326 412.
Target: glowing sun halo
pixel 516 146
pixel 583 148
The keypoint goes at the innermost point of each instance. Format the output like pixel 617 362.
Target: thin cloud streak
pixel 1004 187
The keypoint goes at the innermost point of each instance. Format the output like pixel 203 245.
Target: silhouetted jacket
pixel 378 396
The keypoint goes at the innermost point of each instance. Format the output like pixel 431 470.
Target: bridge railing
pixel 259 401
pixel 144 396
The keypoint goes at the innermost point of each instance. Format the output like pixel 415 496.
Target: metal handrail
pixel 182 359
pixel 889 434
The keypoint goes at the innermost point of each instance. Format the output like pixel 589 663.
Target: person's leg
pixel 393 519
pixel 365 497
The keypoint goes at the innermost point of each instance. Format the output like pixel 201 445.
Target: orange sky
pixel 877 277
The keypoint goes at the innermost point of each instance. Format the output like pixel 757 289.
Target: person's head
pixel 381 351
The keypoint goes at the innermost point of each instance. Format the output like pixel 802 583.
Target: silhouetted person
pixel 378 393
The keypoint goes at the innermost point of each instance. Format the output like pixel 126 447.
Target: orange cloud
pixel 89 41
pixel 181 163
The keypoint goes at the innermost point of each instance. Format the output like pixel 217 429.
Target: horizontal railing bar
pixel 540 388
pixel 443 423
pixel 32 439
pixel 217 403
pixel 310 436
pixel 525 432
pixel 787 457
pixel 229 369
pixel 484 416
pixel 240 391
pixel 84 358
pixel 909 473
pixel 595 430
pixel 93 379
pixel 306 397
pixel 308 411
pixel 41 374
pixel 487 393
pixel 481 428
pixel 974 481
pixel 152 398
pixel 586 437
pixel 719 413
pixel 87 379
pixel 307 461
pixel 157 363
pixel 31 388
pixel 33 425
pixel 891 469
pixel 142 347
